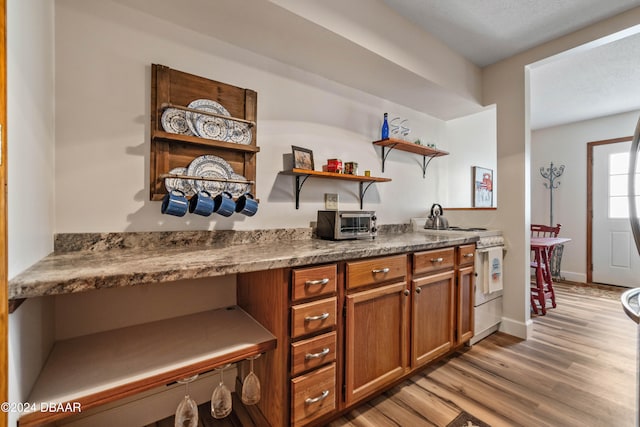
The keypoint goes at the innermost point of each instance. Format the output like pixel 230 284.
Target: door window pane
pixel 618 185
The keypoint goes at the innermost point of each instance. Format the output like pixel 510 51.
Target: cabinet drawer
pixel 313 352
pixel 466 254
pixel 313 395
pixel 313 282
pixel 428 261
pixel 313 316
pixel 372 271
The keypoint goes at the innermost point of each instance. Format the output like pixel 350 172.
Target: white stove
pixel 488 267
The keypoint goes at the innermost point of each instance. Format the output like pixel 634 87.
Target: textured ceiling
pixel 579 86
pixel 486 31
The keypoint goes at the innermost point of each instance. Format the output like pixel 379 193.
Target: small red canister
pixel 334 165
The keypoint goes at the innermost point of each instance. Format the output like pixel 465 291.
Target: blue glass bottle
pixel 385 128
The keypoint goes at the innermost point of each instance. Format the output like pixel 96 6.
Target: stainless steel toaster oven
pixel 343 225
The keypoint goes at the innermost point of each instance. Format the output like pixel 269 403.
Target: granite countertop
pixel 133 261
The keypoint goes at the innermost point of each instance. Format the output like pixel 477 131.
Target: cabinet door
pixel 466 284
pixel 376 339
pixel 433 318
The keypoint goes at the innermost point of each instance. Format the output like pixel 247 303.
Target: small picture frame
pixel 302 158
pixel 482 187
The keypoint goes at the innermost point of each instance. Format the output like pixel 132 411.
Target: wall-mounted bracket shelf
pixel 303 174
pixel 389 144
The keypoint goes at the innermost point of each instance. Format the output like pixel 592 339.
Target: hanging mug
pixel 247 205
pixel 175 203
pixel 201 204
pixel 223 204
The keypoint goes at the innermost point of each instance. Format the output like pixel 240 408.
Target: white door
pixel 615 259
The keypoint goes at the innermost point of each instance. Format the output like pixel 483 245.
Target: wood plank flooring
pixel 579 368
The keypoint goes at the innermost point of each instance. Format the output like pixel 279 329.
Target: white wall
pixel 472 142
pixel 506 85
pixel 30 98
pixel 103 57
pixel 567 145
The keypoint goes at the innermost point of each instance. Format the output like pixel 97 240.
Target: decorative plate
pixel 179 184
pixel 237 189
pixel 209 166
pixel 212 127
pixel 210 106
pixel 240 133
pixel 175 121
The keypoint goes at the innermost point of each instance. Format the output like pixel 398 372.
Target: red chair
pixel 542 288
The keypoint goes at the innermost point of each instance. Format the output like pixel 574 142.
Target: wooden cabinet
pixel 465 293
pixel 314 343
pixel 355 327
pixel 376 339
pixel 432 319
pixel 376 325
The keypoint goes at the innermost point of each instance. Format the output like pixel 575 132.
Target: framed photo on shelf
pixel 302 158
pixel 482 187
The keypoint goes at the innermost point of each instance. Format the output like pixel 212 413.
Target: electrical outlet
pixel 330 201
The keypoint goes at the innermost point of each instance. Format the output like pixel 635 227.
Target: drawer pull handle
pixel 312 400
pixel 323 353
pixel 469 255
pixel 437 259
pixel 380 270
pixel 322 316
pixel 418 290
pixel 317 282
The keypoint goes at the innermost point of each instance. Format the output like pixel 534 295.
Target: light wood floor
pixel 577 369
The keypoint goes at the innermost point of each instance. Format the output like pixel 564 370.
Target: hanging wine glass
pixel 187 412
pixel 221 397
pixel 251 386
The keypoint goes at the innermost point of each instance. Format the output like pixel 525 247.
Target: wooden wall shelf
pixel 176 89
pixel 398 144
pixel 303 174
pixel 106 366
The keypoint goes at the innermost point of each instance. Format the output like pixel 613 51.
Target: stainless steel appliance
pixel 343 225
pixel 436 220
pixel 630 298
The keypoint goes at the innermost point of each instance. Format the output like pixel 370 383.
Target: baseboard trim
pixel 516 328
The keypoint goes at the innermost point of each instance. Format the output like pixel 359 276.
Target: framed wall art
pixel 482 187
pixel 302 158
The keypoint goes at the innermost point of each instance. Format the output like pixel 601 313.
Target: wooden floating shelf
pixel 106 366
pixel 399 144
pixel 333 175
pixel 188 139
pixel 306 173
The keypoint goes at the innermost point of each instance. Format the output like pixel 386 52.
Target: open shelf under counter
pixel 99 368
pixel 303 174
pixel 399 144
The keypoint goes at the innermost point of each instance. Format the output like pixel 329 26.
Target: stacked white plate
pixel 206 126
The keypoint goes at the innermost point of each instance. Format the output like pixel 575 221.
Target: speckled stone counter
pixel 86 262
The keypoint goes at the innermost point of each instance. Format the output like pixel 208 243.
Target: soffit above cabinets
pixel 373 60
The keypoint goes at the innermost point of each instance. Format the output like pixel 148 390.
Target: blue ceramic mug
pixel 201 204
pixel 175 203
pixel 223 204
pixel 247 205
